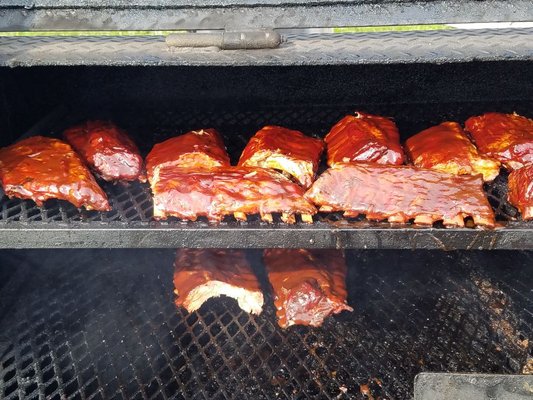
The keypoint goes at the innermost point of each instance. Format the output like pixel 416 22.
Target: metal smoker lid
pixel 238 14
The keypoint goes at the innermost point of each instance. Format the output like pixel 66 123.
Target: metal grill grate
pixel 102 324
pixel 132 203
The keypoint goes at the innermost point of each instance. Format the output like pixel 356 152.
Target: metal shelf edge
pixel 319 236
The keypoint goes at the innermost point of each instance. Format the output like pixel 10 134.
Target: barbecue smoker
pixel 87 306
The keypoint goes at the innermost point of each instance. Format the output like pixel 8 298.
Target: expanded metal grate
pixel 132 201
pixel 103 325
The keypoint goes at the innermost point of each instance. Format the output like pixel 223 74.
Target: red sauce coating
pixel 308 285
pixel 399 193
pixel 446 147
pixel 214 193
pixel 194 268
pixel 107 149
pixel 196 149
pixel 521 191
pixel 41 168
pixel 507 138
pixel 286 150
pixel 364 137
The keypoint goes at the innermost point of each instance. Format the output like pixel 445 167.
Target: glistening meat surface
pixel 520 192
pixel 364 137
pixel 308 285
pixel 200 274
pixel 214 193
pixel 285 150
pixel 446 147
pixel 399 193
pixel 203 149
pixel 107 149
pixel 41 168
pixel 507 138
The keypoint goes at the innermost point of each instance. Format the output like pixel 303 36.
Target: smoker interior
pixel 154 103
pixel 103 324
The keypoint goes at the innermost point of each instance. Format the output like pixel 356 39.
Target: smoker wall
pixel 28 94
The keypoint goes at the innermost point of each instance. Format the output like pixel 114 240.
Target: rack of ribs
pixel 400 193
pixel 520 192
pixel 364 137
pixel 200 274
pixel 286 150
pixel 446 147
pixel 507 138
pixel 107 149
pixel 308 285
pixel 41 168
pixel 196 149
pixel 216 192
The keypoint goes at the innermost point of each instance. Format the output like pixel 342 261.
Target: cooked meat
pixel 399 193
pixel 200 274
pixel 41 168
pixel 308 285
pixel 188 194
pixel 507 138
pixel 107 149
pixel 521 191
pixel 196 149
pixel 364 137
pixel 446 147
pixel 286 150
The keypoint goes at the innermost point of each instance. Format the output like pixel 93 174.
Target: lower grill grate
pixel 102 324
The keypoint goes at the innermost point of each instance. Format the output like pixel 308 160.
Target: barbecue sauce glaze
pixel 41 168
pixel 107 149
pixel 200 274
pixel 399 193
pixel 308 285
pixel 364 137
pixel 507 138
pixel 214 193
pixel 196 149
pixel 521 191
pixel 285 150
pixel 446 148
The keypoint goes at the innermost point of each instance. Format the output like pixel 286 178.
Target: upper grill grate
pixel 132 204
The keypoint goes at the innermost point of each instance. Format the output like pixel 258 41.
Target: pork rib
pixel 521 191
pixel 214 193
pixel 446 147
pixel 399 193
pixel 41 168
pixel 507 138
pixel 196 149
pixel 364 137
pixel 107 149
pixel 285 150
pixel 308 285
pixel 200 274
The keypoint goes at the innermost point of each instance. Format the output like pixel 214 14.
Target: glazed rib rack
pixel 132 211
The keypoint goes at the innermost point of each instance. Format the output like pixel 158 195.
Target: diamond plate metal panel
pixel 313 49
pixel 239 14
